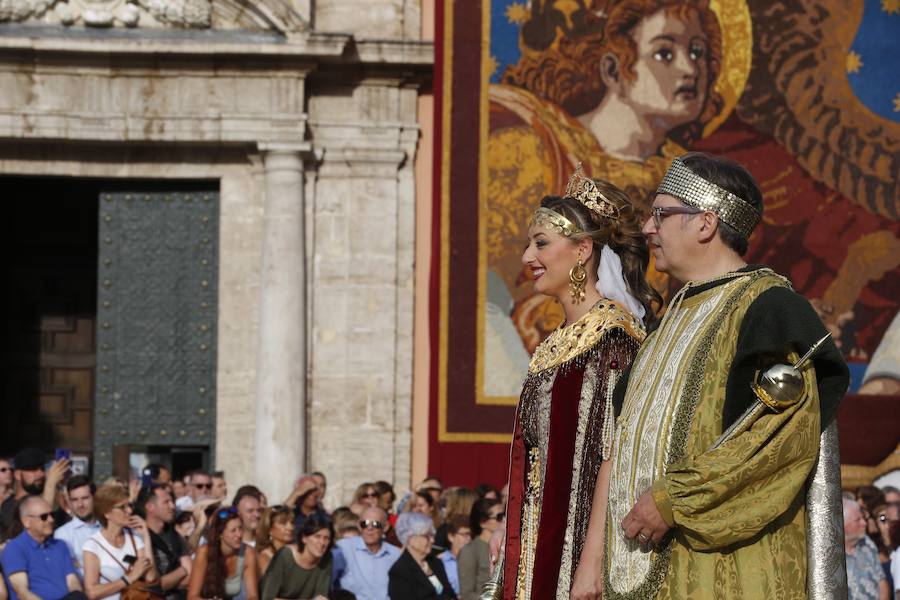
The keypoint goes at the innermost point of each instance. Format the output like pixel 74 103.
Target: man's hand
pixel 644 523
pixel 56 473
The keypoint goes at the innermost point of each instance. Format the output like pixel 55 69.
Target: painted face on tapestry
pixel 549 256
pixel 669 85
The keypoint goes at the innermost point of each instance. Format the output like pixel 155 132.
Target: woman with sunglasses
pixel 225 568
pixel 302 571
pixel 7 488
pixel 474 561
pixel 121 552
pixel 417 575
pixel 364 497
pixel 276 530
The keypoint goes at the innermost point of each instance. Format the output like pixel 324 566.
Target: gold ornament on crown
pixel 585 191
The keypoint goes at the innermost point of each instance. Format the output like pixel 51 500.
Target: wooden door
pixel 47 315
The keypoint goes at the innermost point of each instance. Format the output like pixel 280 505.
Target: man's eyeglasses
pixel 661 212
pixel 369 524
pixel 42 516
pixel 202 486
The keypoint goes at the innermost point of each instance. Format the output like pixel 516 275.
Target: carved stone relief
pixel 109 13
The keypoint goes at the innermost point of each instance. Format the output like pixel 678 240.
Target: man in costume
pixel 694 513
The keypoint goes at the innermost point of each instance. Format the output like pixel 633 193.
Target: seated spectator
pixel 219 489
pixel 157 473
pixel 30 478
pixel 179 490
pixel 225 567
pixel 276 530
pixel 119 554
pixel 80 491
pixel 418 574
pixel 475 558
pixel 433 487
pixel 459 533
pixel 895 556
pixel 305 499
pixel 7 488
pixel 882 514
pixel 865 578
pixel 249 502
pixel 35 564
pixel 199 487
pixel 368 559
pixel 365 496
pixel 891 494
pixel 184 525
pixel 486 490
pixel 322 482
pixel 170 552
pixel 456 503
pixel 386 496
pixel 302 570
pixel 346 524
pixel 423 503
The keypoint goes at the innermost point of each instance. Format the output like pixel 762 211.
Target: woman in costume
pixel 586 251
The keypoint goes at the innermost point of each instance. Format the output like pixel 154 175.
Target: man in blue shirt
pixel 83 525
pixel 36 566
pixel 368 558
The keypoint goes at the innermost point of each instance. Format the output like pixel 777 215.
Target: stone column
pixel 281 371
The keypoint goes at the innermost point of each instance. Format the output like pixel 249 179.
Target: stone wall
pixel 307 130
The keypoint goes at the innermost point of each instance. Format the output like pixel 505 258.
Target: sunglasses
pixel 370 495
pixel 42 516
pixel 367 524
pixel 226 512
pixel 499 516
pixel 202 486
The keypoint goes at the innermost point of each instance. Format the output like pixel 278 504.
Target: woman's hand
pixel 136 523
pixel 139 569
pixel 588 584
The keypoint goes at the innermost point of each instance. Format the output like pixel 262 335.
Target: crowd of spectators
pixel 871 539
pixel 184 539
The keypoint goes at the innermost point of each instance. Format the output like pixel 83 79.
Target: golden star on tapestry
pixel 891 7
pixel 518 13
pixel 854 62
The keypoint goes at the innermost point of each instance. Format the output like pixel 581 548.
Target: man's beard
pixel 36 487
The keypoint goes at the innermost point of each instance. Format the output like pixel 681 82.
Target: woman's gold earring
pixel 577 277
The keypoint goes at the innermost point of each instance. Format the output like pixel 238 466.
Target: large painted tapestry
pixel 805 93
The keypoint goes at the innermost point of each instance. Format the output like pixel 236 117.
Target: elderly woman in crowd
pixel 416 574
pixel 120 553
pixel 276 530
pixel 302 571
pixel 226 566
pixel 474 562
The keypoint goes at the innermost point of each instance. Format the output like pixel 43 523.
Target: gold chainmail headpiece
pixel 693 190
pixel 585 191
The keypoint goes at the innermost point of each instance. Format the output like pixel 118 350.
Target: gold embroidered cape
pixel 738 511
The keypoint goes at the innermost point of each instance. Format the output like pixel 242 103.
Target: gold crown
pixel 585 191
